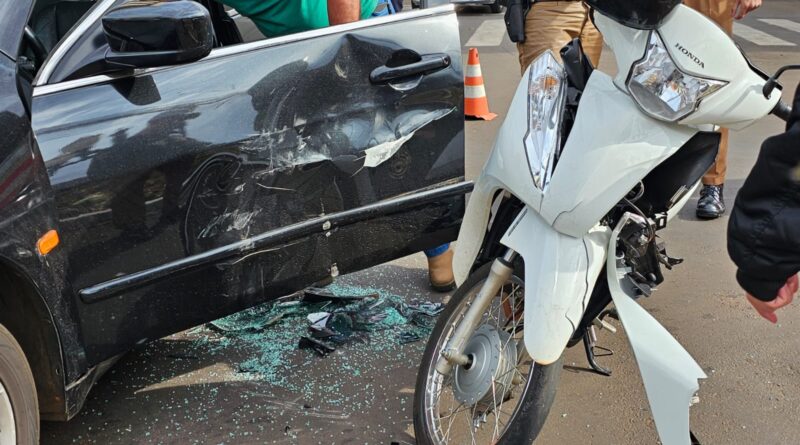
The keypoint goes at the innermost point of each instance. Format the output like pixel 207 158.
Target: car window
pixel 250 31
pixel 83 54
pixel 50 22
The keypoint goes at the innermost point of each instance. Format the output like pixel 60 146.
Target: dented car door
pixel 189 192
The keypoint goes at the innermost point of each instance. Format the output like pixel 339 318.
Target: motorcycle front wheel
pixel 501 396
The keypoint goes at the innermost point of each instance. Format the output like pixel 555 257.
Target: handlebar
pixel 782 111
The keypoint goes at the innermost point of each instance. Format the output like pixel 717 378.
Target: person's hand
pixel 742 7
pixel 785 295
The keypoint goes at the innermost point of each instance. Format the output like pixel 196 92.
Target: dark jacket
pixel 764 229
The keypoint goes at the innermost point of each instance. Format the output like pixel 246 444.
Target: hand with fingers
pixel 742 7
pixel 785 295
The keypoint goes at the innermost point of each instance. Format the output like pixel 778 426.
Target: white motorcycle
pixel 563 219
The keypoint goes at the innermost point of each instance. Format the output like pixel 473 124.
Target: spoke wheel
pixel 480 403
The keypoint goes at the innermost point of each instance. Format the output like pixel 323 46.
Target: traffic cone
pixel 475 102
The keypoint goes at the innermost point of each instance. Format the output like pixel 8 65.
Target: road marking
pixel 758 37
pixel 783 23
pixel 489 33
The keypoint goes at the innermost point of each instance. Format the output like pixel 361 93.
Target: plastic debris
pixel 422 314
pixel 408 337
pixel 322 349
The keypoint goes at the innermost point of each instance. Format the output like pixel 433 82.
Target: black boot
pixel 711 204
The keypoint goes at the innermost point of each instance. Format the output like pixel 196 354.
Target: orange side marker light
pixel 48 242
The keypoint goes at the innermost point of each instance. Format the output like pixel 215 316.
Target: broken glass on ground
pixel 321 295
pixel 368 322
pixel 256 318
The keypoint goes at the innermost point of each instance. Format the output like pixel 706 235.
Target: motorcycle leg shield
pixel 474 226
pixel 669 373
pixel 560 273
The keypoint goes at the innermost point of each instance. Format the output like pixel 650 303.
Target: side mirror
pixel 151 33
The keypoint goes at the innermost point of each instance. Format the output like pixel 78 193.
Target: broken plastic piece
pixel 322 349
pixel 409 337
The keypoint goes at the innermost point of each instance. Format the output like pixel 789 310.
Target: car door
pixel 189 192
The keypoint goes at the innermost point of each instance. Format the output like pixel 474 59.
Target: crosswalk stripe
pixel 758 37
pixel 489 33
pixel 783 23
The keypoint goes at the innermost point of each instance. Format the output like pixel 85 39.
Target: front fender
pixel 560 273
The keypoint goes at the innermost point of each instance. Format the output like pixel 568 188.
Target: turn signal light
pixel 47 242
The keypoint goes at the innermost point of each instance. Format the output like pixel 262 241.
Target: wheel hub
pixel 493 359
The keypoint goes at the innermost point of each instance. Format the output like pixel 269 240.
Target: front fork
pixel 453 353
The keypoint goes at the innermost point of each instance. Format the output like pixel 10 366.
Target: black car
pixel 163 165
pixel 495 6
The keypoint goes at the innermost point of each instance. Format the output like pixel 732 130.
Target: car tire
pixel 18 390
pixel 496 7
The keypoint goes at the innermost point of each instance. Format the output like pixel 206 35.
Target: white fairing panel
pixel 560 273
pixel 629 45
pixel 611 148
pixel 473 226
pixel 507 168
pixel 700 47
pixel 669 373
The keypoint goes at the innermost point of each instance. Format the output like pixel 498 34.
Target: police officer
pixel 553 24
pixel 712 204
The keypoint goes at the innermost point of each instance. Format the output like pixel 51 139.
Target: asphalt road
pixel 193 387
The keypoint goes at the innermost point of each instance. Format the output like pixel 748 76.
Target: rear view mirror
pixel 151 33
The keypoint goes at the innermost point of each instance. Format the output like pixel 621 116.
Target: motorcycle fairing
pixel 612 146
pixel 669 373
pixel 505 169
pixel 701 48
pixel 560 273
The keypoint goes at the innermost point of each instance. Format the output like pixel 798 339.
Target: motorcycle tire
pixel 536 400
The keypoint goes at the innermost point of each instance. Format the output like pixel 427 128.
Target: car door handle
pixel 426 64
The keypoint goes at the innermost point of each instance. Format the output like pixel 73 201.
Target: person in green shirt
pixel 280 17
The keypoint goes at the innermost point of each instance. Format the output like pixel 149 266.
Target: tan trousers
pixel 720 12
pixel 551 25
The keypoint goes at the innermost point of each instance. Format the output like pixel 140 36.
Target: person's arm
pixel 742 7
pixel 343 11
pixel 764 229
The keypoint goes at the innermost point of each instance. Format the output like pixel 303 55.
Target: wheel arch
pixel 24 312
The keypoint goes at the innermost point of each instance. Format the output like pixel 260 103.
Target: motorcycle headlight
pixel 546 94
pixel 661 89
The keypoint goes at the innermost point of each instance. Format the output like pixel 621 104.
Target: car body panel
pixel 43 323
pixel 186 193
pixel 158 168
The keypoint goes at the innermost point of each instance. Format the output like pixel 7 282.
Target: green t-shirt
pixel 280 17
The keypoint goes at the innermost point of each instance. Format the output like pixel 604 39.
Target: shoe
pixel 440 272
pixel 711 204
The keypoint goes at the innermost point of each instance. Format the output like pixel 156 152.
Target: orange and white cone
pixel 475 102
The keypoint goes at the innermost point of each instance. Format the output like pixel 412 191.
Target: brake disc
pixel 494 359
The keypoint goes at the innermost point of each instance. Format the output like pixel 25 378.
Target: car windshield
pixel 639 14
